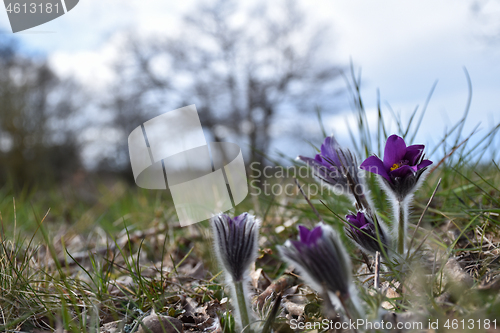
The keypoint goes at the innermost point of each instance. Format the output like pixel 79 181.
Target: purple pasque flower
pixel 362 229
pixel 335 166
pixel 236 242
pixel 321 259
pixel 402 166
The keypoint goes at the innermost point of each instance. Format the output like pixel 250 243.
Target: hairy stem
pixel 242 305
pixel 401 220
pixel 350 309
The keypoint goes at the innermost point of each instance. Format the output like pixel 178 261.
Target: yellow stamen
pixel 395 166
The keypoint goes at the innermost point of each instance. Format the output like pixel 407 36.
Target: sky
pixel 401 48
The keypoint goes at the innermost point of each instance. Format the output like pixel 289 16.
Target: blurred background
pixel 73 89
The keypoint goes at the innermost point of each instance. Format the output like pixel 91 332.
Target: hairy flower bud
pixel 362 229
pixel 337 168
pixel 321 259
pixel 235 242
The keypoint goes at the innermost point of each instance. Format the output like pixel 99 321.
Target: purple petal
pixel 328 150
pixel 375 165
pixel 395 150
pixel 424 164
pixel 303 233
pixel 314 235
pixel 309 237
pixel 307 160
pixel 413 153
pixel 403 171
pixel 240 218
pixel 352 219
pixel 361 218
pixel 316 163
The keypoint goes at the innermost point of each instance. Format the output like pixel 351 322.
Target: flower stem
pixel 401 226
pixel 350 309
pixel 242 305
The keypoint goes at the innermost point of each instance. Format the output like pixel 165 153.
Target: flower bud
pixel 236 242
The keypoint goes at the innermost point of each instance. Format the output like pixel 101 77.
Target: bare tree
pixel 37 141
pixel 244 70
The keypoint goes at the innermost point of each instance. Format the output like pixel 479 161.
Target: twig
pixel 279 285
pixel 367 262
pixel 376 282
